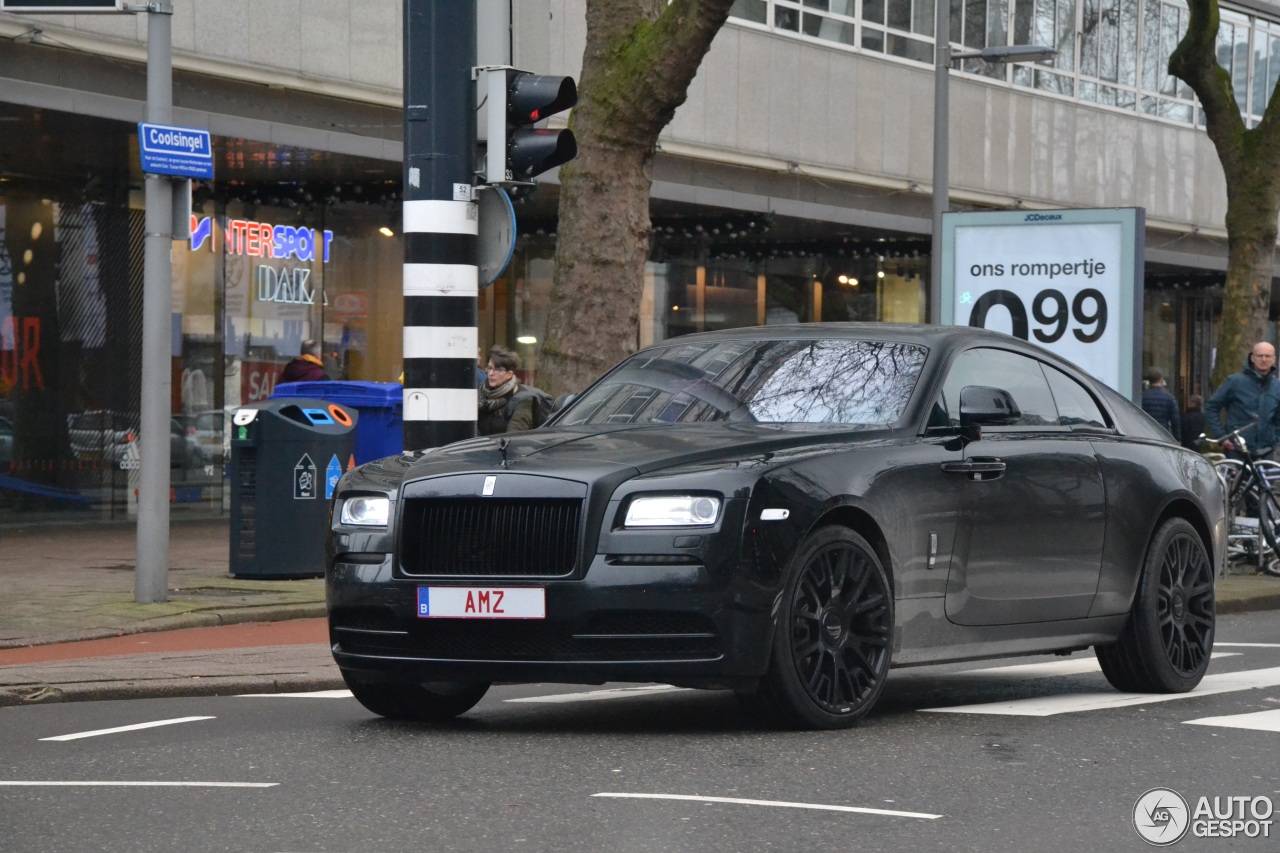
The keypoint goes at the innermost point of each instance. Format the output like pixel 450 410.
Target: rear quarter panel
pixel 1145 478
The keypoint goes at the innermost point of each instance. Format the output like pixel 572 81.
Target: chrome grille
pixel 489 537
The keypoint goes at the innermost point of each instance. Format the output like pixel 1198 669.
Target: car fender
pixel 1151 493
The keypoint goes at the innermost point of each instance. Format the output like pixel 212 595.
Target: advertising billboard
pixel 1068 280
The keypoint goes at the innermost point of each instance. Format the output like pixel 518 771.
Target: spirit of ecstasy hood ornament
pixel 502 448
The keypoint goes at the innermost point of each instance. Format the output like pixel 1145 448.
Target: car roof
pixel 918 333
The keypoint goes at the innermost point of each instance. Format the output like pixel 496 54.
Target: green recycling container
pixel 286 458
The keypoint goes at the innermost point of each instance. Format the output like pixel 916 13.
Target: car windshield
pixel 808 381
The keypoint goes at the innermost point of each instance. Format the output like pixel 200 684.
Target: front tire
pixel 833 637
pixel 1165 645
pixel 432 701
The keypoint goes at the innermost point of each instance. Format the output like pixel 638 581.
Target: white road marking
pixel 20 783
pixel 1261 721
pixel 135 727
pixel 1216 644
pixel 774 803
pixel 594 695
pixel 1047 706
pixel 314 694
pixel 1073 666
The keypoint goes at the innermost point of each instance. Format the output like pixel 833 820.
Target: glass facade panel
pixel 899 14
pixel 832 30
pixel 1124 45
pixel 997 22
pixel 254 280
pixel 756 11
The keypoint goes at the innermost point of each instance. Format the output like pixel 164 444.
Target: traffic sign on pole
pixel 183 151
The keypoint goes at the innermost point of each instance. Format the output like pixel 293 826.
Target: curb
pixel 1267 601
pixel 168 688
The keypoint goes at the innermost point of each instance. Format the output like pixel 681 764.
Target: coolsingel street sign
pixel 186 152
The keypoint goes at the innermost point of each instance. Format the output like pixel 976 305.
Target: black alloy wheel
pixel 1166 643
pixel 834 636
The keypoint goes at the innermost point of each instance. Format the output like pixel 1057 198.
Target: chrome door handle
pixel 977 468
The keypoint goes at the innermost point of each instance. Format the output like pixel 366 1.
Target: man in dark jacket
pixel 1159 403
pixel 307 367
pixel 1253 393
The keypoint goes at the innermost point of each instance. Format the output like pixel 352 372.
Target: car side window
pixel 1076 406
pixel 1019 375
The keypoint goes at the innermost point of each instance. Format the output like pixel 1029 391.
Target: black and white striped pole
pixel 440 223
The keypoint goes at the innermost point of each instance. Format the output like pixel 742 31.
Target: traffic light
pixel 528 99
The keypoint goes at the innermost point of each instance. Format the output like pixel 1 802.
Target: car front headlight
pixel 673 511
pixel 366 511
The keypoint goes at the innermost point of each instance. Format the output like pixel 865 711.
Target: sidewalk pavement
pixel 63 585
pixel 69 584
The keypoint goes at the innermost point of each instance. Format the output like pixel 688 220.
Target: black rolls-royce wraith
pixel 787 512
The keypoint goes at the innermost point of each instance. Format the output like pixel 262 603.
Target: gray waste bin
pixel 286 458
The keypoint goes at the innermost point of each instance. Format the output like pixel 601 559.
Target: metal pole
pixel 151 576
pixel 441 278
pixel 941 152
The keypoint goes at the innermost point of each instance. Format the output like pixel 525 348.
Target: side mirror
pixel 981 405
pixel 562 402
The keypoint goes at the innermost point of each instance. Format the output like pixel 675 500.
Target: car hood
pixel 642 448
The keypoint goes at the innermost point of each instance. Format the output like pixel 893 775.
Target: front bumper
pixel 674 623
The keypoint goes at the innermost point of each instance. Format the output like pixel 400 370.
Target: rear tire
pixel 431 701
pixel 1165 645
pixel 833 638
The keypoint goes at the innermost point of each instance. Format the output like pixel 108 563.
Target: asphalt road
pixel 1019 754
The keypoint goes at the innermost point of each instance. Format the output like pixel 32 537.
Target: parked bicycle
pixel 1253 508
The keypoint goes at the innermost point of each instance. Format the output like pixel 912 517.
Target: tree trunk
pixel 602 242
pixel 639 59
pixel 1246 302
pixel 1251 165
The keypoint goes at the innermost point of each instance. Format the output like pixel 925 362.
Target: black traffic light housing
pixel 518 100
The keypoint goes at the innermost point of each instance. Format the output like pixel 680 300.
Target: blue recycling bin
pixel 380 429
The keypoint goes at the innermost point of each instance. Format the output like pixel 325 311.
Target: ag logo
pixel 1161 816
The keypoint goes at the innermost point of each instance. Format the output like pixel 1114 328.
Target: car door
pixel 1031 523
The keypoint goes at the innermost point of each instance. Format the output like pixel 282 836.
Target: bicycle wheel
pixel 1269 521
pixel 1242 536
pixel 1230 471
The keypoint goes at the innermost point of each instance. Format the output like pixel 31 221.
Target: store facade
pixel 299 234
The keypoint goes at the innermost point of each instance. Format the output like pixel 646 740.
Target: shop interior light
pixel 526 339
pixel 385 231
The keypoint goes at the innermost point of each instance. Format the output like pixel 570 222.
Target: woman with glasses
pixel 499 410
